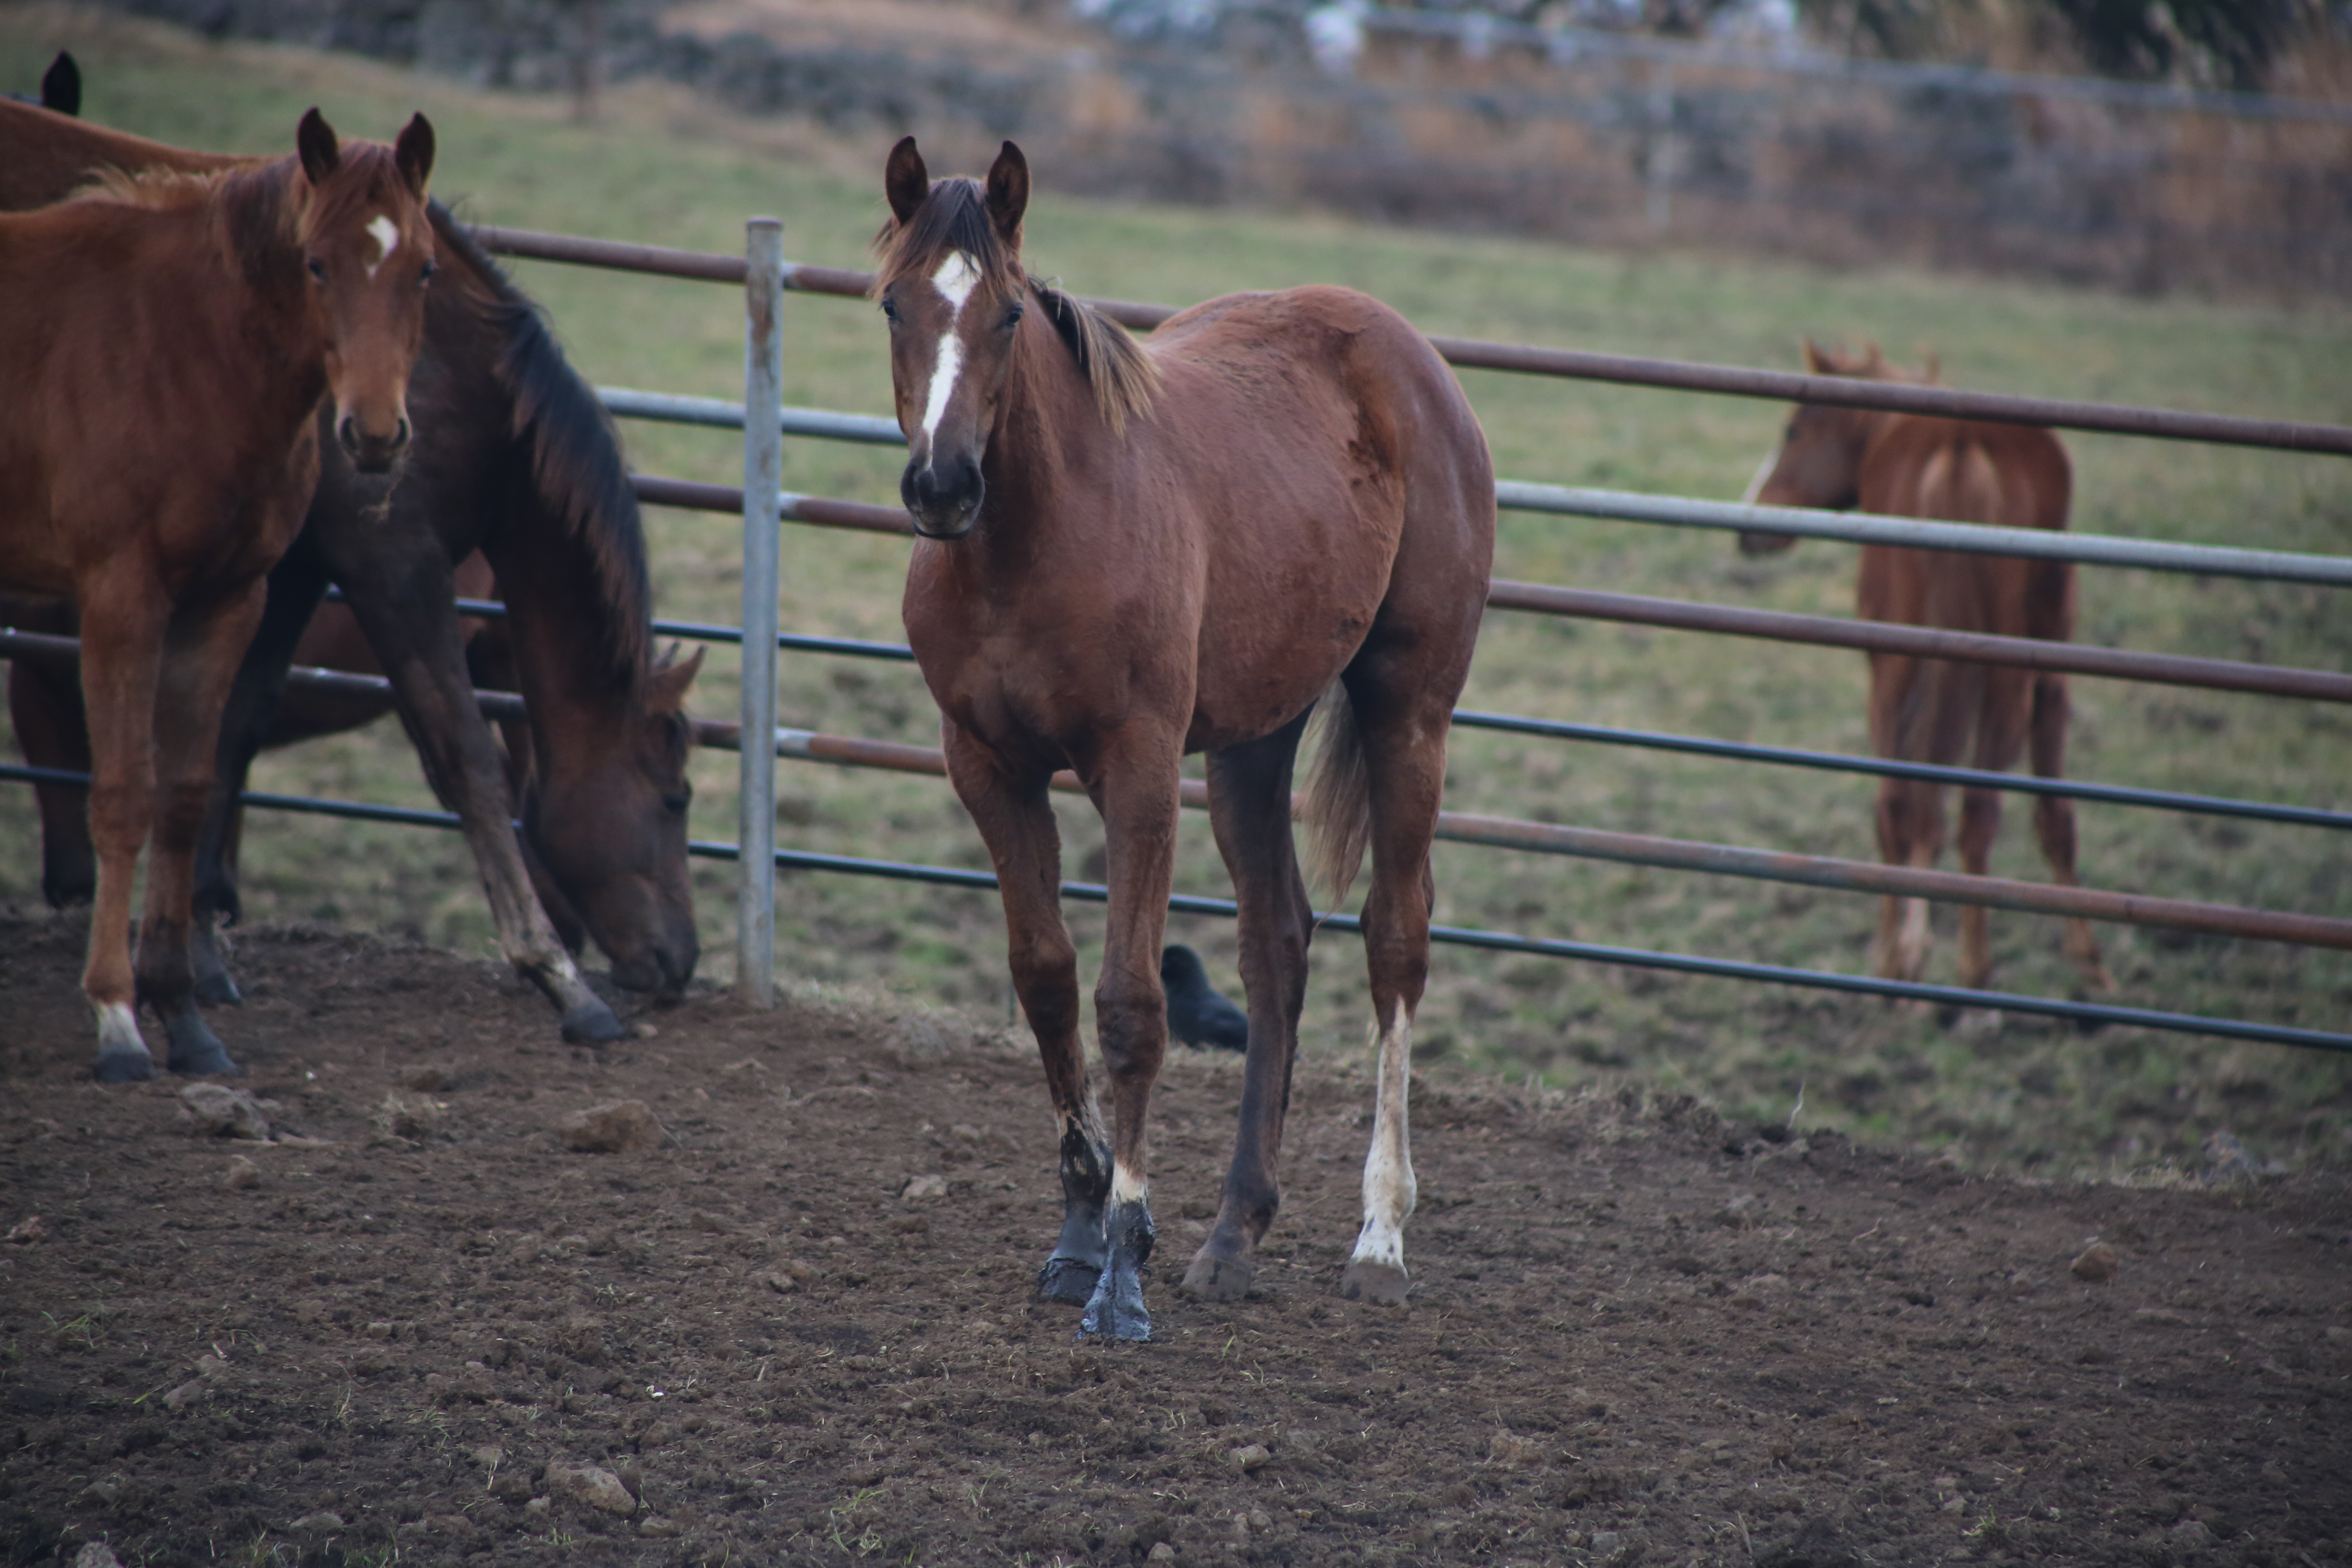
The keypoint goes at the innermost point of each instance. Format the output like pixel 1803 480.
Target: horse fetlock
pixel 215 986
pixel 195 1051
pixel 123 1054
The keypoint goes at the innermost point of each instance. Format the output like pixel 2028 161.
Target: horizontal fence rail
pixel 2080 1012
pixel 1628 370
pixel 1826 631
pixel 1627 505
pixel 1506 833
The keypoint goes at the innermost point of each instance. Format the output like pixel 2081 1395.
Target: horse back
pixel 2010 475
pixel 45 157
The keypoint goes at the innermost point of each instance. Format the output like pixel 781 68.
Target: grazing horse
pixel 177 334
pixel 1928 710
pixel 513 456
pixel 1129 553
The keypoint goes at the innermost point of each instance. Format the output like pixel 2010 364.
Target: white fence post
pixel 763 371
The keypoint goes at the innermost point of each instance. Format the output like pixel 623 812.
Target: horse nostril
pixel 347 431
pixel 400 433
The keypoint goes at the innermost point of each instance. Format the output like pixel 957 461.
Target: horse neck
pixel 580 700
pixel 264 307
pixel 1046 447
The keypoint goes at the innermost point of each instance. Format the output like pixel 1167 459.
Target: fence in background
pixel 766 277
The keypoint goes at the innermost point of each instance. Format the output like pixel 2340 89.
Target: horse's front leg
pixel 1016 823
pixel 200 663
pixel 1137 794
pixel 124 617
pixel 295 584
pixel 404 593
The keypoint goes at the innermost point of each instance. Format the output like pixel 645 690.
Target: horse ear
pixel 1935 370
pixel 673 678
pixel 1816 362
pixel 1873 362
pixel 61 85
pixel 905 180
pixel 321 152
pixel 1008 194
pixel 412 154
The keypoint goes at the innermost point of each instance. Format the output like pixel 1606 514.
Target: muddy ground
pixel 1637 1334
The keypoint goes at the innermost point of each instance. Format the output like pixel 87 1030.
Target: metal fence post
pixel 764 371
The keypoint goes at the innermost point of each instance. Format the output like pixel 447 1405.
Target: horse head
pixel 952 287
pixel 606 844
pixel 367 246
pixel 1818 461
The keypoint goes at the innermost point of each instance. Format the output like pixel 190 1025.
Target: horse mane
pixel 955 218
pixel 577 474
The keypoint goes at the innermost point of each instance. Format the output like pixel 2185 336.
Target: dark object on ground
pixel 1197 1015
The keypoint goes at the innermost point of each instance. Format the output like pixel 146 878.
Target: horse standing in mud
pixel 513 456
pixel 176 336
pixel 1130 553
pixel 1928 710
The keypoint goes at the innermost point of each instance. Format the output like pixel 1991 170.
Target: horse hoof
pixel 1068 1281
pixel 1117 1310
pixel 215 989
pixel 196 1051
pixel 591 1022
pixel 1384 1283
pixel 1213 1278
pixel 123 1067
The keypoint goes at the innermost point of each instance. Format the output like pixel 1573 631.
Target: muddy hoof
pixel 1382 1282
pixel 1069 1280
pixel 215 989
pixel 123 1067
pixel 195 1051
pixel 591 1022
pixel 1213 1278
pixel 1117 1310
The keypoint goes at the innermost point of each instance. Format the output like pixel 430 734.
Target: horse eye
pixel 890 310
pixel 675 801
pixel 1013 313
pixel 318 269
pixel 425 273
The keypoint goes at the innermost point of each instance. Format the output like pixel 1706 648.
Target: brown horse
pixel 1132 553
pixel 181 332
pixel 1928 710
pixel 514 456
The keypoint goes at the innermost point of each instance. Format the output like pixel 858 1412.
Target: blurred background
pixel 2147 144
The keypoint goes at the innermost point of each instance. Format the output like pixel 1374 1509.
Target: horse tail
pixel 1338 808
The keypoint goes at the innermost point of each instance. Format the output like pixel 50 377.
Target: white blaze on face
pixel 386 235
pixel 955 280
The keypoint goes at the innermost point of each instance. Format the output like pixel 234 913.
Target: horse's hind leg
pixel 201 665
pixel 1404 756
pixel 2053 820
pixel 1016 823
pixel 2001 734
pixel 45 705
pixel 1249 801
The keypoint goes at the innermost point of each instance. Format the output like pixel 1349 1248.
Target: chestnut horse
pixel 1128 554
pixel 1929 709
pixel 180 332
pixel 514 456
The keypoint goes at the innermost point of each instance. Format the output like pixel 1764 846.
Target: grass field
pixel 661 168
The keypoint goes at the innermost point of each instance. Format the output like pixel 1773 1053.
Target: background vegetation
pixel 660 167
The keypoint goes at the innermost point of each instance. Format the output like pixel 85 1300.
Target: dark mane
pixel 576 472
pixel 955 218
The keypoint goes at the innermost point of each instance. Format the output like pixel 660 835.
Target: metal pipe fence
pixel 765 276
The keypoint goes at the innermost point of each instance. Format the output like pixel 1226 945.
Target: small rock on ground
pixel 2098 1264
pixel 242 1173
pixel 616 1127
pixel 221 1112
pixel 96 1554
pixel 597 1488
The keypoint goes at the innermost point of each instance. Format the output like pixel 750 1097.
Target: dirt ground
pixel 1637 1334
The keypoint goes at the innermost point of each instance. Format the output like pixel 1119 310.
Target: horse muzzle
pixel 371 452
pixel 943 506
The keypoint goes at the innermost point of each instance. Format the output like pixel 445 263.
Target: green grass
pixel 661 169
